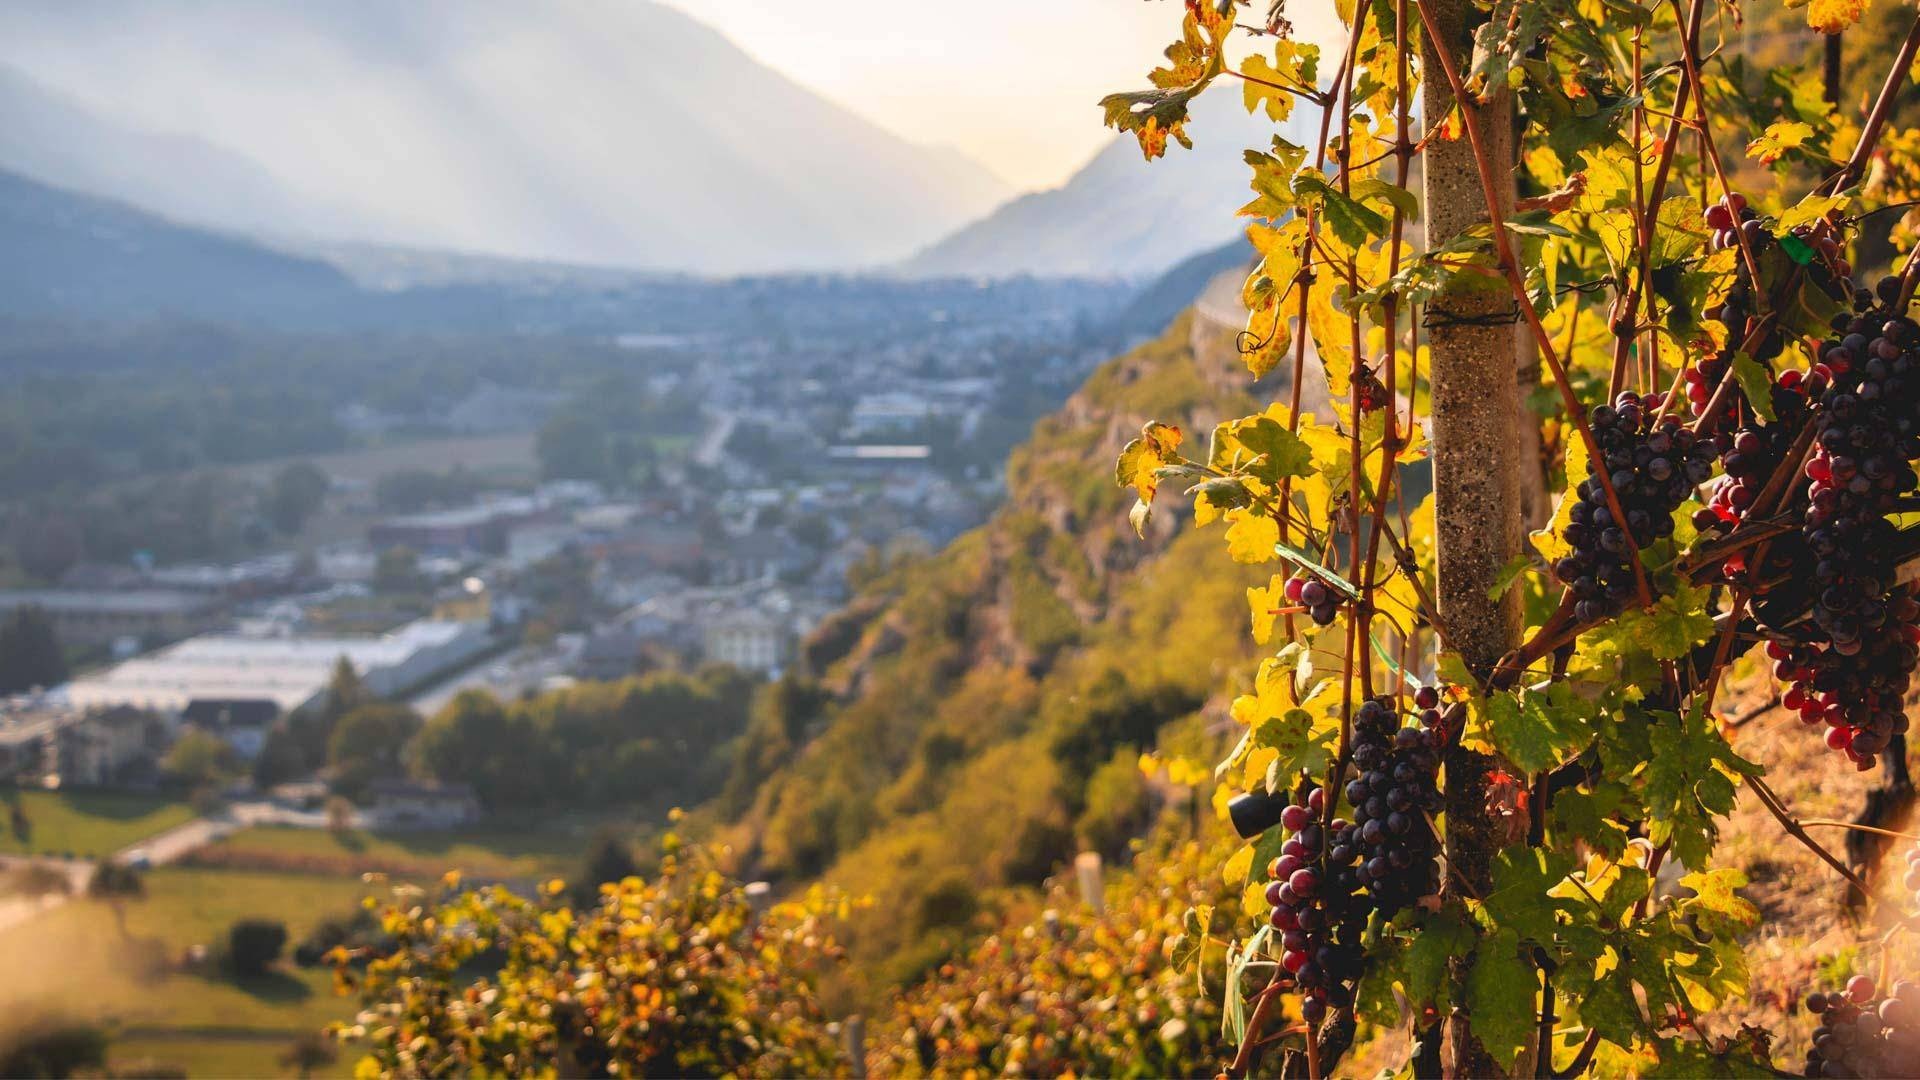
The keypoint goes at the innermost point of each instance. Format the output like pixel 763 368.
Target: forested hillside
pixel 979 715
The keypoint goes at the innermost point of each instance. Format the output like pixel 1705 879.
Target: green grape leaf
pixel 1690 778
pixel 1440 937
pixel 1350 220
pixel 1756 383
pixel 1272 181
pixel 1669 630
pixel 1508 574
pixel 1588 813
pixel 1537 730
pixel 1520 900
pixel 1501 997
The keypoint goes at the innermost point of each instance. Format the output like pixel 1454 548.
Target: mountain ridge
pixel 1118 215
pixel 614 135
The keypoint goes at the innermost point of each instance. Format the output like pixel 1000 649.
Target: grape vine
pixel 1736 423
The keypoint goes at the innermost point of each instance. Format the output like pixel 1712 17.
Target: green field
pixel 75 961
pixel 89 824
pixel 491 853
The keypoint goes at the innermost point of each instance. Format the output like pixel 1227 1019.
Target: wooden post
pixel 1087 867
pixel 854 1032
pixel 1477 347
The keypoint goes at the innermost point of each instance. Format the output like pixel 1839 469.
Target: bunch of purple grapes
pixel 1866 433
pixel 1332 877
pixel 1322 603
pixel 1394 799
pixel 1653 466
pixel 1864 1036
pixel 1751 455
pixel 1317 908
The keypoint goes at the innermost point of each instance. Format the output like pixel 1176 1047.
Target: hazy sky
pixel 1013 83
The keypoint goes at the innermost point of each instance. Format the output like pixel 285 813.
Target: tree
pixel 254 945
pixel 609 859
pixel 52 1047
pixel 295 493
pixel 369 742
pixel 116 883
pixel 1457 847
pixel 571 446
pixel 475 739
pixel 309 1052
pixel 30 653
pixel 199 759
pixel 48 544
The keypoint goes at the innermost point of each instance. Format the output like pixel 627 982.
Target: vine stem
pixel 1649 220
pixel 1788 822
pixel 1829 823
pixel 1243 1058
pixel 1510 267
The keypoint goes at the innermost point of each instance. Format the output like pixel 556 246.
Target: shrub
pixel 673 976
pixel 254 944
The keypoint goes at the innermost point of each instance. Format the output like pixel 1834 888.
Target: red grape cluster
pixel 1653 465
pixel 1322 602
pixel 1864 1036
pixel 1394 798
pixel 1857 695
pixel 1316 908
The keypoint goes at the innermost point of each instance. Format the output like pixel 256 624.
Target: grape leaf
pixel 1520 900
pixel 1537 730
pixel 1193 63
pixel 1442 936
pixel 1251 536
pixel 1689 782
pixel 1501 995
pixel 1780 137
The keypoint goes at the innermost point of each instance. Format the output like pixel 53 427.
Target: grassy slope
pixel 86 823
pixel 490 853
pixel 74 960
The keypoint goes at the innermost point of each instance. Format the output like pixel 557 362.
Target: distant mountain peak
pixel 626 134
pixel 1119 215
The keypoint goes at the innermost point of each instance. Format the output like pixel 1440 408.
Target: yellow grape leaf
pixel 1268 338
pixel 1253 900
pixel 1186 772
pixel 1238 865
pixel 1138 463
pixel 1833 16
pixel 1263 600
pixel 1780 137
pixel 1549 541
pixel 1251 537
pixel 1270 295
pixel 1293 65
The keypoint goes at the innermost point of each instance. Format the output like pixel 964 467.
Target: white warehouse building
pixel 289 670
